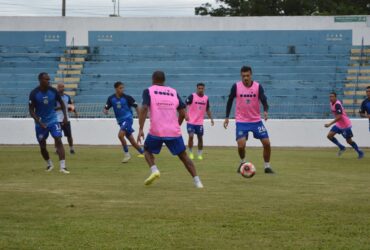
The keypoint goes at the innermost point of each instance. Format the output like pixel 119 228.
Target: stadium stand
pixel 297 68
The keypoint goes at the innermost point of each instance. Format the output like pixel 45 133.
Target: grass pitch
pixel 315 201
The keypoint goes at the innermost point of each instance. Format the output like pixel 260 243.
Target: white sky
pixel 100 7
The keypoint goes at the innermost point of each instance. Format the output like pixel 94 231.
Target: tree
pixel 284 8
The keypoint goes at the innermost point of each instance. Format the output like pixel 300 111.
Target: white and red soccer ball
pixel 247 170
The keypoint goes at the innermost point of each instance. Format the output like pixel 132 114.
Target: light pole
pixel 63 7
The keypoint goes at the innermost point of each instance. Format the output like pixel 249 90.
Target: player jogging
pixel 249 94
pixel 365 106
pixel 66 127
pixel 342 126
pixel 198 105
pixel 42 102
pixel 122 106
pixel 163 103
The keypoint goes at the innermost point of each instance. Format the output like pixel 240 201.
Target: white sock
pixel 127 154
pixel 196 178
pixel 267 165
pixel 191 150
pixel 154 169
pixel 200 152
pixel 62 164
pixel 243 160
pixel 49 162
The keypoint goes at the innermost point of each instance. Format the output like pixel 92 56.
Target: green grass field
pixel 315 201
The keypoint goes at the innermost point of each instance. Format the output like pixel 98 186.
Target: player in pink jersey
pixel 249 94
pixel 163 103
pixel 342 126
pixel 198 105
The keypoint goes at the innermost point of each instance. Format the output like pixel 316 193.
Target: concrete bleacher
pixel 297 68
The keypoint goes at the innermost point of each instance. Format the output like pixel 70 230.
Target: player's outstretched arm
pixel 229 105
pixel 337 118
pixel 182 114
pixel 142 117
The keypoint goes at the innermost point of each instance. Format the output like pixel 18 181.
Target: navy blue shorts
pixel 346 133
pixel 43 133
pixel 126 126
pixel 153 144
pixel 66 128
pixel 257 128
pixel 195 129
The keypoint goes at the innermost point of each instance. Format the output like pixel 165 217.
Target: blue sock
pixel 141 151
pixel 355 147
pixel 336 142
pixel 125 149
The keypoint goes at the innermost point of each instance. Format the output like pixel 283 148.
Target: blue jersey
pixel 365 107
pixel 121 106
pixel 45 103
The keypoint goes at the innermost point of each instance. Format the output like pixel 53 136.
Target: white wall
pixel 283 133
pixel 78 27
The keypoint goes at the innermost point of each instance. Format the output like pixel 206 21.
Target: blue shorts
pixel 257 128
pixel 126 126
pixel 43 133
pixel 195 129
pixel 153 144
pixel 346 133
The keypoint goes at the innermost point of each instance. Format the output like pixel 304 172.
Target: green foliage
pixel 284 8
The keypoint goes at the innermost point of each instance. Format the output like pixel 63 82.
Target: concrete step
pixel 356 101
pixel 70 66
pixel 67 79
pixel 76 51
pixel 72 59
pixel 71 93
pixel 69 72
pixel 359 58
pixel 357 93
pixel 358 51
pixel 359 78
pixel 68 85
pixel 356 71
pixel 360 85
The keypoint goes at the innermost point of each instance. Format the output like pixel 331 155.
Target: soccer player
pixel 249 94
pixel 198 105
pixel 365 106
pixel 163 103
pixel 122 106
pixel 66 127
pixel 42 102
pixel 342 126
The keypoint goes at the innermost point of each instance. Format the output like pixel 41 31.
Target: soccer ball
pixel 247 170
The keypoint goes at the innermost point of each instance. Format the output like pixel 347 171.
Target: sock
pixel 355 147
pixel 243 160
pixel 336 142
pixel 125 149
pixel 71 148
pixel 62 164
pixel 196 178
pixel 267 165
pixel 127 154
pixel 141 150
pixel 191 150
pixel 200 152
pixel 154 169
pixel 49 162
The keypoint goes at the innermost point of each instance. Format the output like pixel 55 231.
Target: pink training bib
pixel 247 103
pixel 344 121
pixel 197 109
pixel 163 112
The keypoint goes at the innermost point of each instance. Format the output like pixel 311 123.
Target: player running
pixel 122 106
pixel 249 94
pixel 163 103
pixel 342 126
pixel 42 102
pixel 198 105
pixel 66 127
pixel 365 106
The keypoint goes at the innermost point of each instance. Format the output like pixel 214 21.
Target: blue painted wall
pixel 33 38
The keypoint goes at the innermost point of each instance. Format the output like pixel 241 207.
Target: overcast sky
pixel 99 7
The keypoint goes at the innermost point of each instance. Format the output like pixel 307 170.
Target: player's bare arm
pixel 142 117
pixel 209 114
pixel 32 112
pixel 182 114
pixel 63 108
pixel 337 118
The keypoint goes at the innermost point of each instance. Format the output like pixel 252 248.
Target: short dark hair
pixel 246 69
pixel 117 84
pixel 368 87
pixel 201 84
pixel 333 93
pixel 159 76
pixel 41 75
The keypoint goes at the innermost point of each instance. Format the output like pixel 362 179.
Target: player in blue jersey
pixel 365 106
pixel 42 102
pixel 122 105
pixel 66 127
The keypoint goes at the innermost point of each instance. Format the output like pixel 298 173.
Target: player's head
pixel 158 77
pixel 60 87
pixel 44 79
pixel 333 97
pixel 368 92
pixel 119 87
pixel 200 88
pixel 246 74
